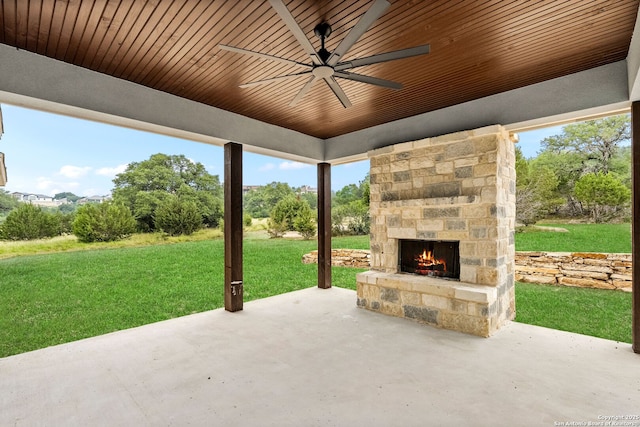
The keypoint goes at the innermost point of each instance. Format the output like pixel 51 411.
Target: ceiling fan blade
pixel 303 91
pixel 367 79
pixel 384 57
pixel 295 29
pixel 337 90
pixel 262 55
pixel 375 11
pixel 273 79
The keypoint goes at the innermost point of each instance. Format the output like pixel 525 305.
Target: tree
pixel 67 208
pixel 365 188
pixel 146 185
pixel 7 202
pixel 276 229
pixel 288 210
pixel 528 207
pixel 28 222
pixel 65 219
pixel 103 222
pixel 602 193
pixel 305 223
pixel 352 192
pixel 352 218
pixel 310 198
pixel 567 167
pixel 597 141
pixel 176 216
pixel 260 202
pixel 347 194
pixel 350 209
pixel 66 195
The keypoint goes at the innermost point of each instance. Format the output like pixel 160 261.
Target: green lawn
pixel 55 298
pixel 596 312
pixel 613 238
pixel 52 298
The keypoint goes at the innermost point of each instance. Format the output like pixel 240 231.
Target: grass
pixel 58 290
pixel 50 299
pixel 595 312
pixel 9 249
pixel 612 238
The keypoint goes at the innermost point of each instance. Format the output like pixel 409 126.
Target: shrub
pixel 104 222
pixel 66 221
pixel 603 194
pixel 305 224
pixel 287 210
pixel 247 220
pixel 175 217
pixel 277 229
pixel 28 222
pixel 352 218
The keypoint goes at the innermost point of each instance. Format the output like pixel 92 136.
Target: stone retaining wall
pixel 578 269
pixel 357 258
pixel 585 270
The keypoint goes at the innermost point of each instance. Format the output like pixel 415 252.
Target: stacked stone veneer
pixel 453 187
pixel 357 258
pixel 579 269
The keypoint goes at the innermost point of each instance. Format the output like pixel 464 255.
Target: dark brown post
pixel 635 224
pixel 233 227
pixel 324 225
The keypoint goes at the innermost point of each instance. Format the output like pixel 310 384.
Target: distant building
pixel 247 188
pixel 31 197
pixel 93 199
pixel 308 189
pixel 36 199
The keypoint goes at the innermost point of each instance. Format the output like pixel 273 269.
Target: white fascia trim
pixel 598 90
pixel 633 62
pixel 34 81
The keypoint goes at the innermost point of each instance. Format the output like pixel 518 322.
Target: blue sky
pixel 49 154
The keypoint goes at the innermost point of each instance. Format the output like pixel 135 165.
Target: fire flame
pixel 426 261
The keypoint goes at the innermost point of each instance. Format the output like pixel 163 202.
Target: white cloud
pixel 44 183
pixel 50 187
pixel 70 171
pixel 111 171
pixel 267 167
pixel 292 165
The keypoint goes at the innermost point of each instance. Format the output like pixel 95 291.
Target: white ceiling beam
pixel 34 81
pixel 37 82
pixel 592 92
pixel 633 62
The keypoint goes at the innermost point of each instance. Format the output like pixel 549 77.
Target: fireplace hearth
pixel 443 208
pixel 430 258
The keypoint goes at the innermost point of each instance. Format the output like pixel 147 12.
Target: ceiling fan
pixel 327 65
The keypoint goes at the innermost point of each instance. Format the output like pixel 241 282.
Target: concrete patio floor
pixel 311 358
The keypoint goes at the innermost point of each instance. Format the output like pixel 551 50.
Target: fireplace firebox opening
pixel 430 258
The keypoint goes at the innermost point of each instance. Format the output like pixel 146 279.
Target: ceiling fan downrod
pixel 323 31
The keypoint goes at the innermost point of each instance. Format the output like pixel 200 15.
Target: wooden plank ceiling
pixel 478 48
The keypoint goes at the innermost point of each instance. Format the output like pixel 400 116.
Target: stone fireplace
pixel 442 231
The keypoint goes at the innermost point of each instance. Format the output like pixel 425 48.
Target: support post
pixel 233 227
pixel 324 225
pixel 635 224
